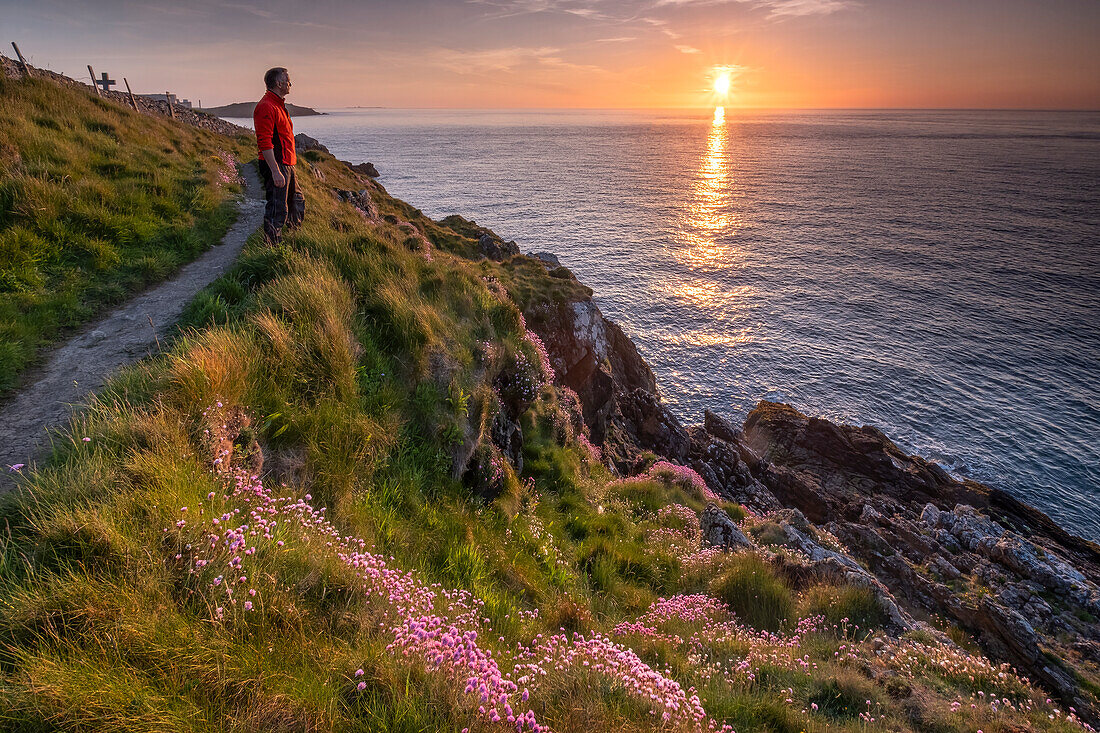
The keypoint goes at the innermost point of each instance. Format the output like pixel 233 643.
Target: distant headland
pixel 244 109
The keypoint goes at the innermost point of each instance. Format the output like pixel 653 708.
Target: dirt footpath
pixel 81 366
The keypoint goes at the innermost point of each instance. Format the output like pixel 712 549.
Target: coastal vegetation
pixel 96 204
pixel 298 518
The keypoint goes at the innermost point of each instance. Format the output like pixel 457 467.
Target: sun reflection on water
pixel 705 243
pixel 709 221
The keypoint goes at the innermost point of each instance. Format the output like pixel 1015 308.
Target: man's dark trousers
pixel 286 206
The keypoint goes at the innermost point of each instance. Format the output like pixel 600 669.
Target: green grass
pixel 755 593
pixel 94 206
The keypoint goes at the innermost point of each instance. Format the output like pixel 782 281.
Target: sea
pixel 935 274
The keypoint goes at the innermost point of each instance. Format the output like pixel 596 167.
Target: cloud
pixel 687 49
pixel 780 8
pixel 775 8
pixel 504 60
pixel 510 8
pixel 662 26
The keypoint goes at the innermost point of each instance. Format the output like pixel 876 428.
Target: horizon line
pixel 697 109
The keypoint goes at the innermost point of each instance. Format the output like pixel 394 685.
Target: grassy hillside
pixel 96 202
pixel 263 530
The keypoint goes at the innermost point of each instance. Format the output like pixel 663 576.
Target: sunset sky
pixel 572 53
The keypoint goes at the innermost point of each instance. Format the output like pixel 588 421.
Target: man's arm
pixel 273 166
pixel 265 133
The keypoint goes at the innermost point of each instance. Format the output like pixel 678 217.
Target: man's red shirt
pixel 274 130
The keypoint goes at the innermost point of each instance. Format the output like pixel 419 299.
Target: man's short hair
pixel 272 76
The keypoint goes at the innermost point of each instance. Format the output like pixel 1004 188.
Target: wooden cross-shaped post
pixel 104 82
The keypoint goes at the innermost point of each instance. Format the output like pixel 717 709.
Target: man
pixel 275 138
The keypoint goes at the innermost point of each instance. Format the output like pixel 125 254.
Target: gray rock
pixel 507 435
pixel 495 249
pixel 719 529
pixel 719 427
pixel 361 200
pixel 548 259
pixel 367 169
pixel 869 514
pixel 304 142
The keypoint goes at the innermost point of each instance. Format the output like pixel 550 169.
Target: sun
pixel 722 83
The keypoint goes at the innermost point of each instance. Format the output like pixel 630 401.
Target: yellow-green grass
pixel 96 203
pixel 354 364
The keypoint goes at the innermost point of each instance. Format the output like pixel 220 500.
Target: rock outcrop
pixel 494 248
pixel 303 143
pixel 921 540
pixel 366 169
pixel 719 530
pixel 1003 571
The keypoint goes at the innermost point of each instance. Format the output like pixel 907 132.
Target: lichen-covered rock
pixel 361 201
pixel 719 530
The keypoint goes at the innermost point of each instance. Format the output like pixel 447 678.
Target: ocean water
pixel 935 274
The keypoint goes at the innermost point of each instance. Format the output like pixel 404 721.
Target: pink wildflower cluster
pixel 594 453
pixel 683 475
pixel 681 514
pixel 1000 688
pixel 690 608
pixel 544 358
pixel 432 626
pixel 703 559
pixel 700 624
pixel 540 350
pixel 679 532
pixel 226 172
pixel 620 666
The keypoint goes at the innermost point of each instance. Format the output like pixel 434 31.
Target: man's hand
pixel 276 172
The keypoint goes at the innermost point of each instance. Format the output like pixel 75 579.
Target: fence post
pixel 132 100
pixel 94 85
pixel 22 61
pixel 168 99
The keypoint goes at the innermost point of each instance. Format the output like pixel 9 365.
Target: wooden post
pixel 168 98
pixel 130 92
pixel 22 61
pixel 94 85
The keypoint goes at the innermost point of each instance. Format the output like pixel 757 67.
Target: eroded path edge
pixel 132 331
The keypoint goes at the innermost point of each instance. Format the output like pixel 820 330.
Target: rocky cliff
pixel 958 554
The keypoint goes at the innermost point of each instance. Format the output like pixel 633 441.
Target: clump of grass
pixel 754 592
pixel 847 606
pixel 843 697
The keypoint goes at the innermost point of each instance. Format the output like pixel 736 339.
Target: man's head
pixel 278 80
